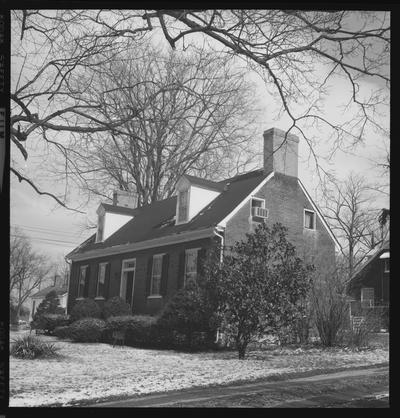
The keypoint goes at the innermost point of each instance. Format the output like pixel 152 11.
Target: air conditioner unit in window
pixel 259 212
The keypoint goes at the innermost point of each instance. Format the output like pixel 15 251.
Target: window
pixel 258 209
pixel 190 264
pixel 100 228
pixel 156 273
pixel 387 265
pixel 82 281
pixel 183 200
pixel 127 280
pixel 101 278
pixel 367 296
pixel 309 219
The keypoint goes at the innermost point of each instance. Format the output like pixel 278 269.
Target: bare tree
pixel 348 207
pixel 297 53
pixel 193 114
pixel 28 269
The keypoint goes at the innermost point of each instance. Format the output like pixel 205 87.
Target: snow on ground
pixel 94 371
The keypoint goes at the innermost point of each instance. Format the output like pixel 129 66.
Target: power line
pixel 47 239
pixel 42 229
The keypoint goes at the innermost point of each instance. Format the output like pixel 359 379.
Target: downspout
pixel 219 233
pixel 221 257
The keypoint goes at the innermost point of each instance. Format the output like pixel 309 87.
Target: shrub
pixel 360 336
pixel 85 308
pixel 49 305
pixel 116 307
pixel 49 322
pixel 62 332
pixel 184 316
pixel 138 329
pixel 87 330
pixel 29 347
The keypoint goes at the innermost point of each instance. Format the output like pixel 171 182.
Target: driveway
pixel 349 388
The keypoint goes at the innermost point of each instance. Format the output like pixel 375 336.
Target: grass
pixel 83 371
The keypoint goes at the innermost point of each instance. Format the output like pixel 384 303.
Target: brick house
pixel 145 254
pixel 370 283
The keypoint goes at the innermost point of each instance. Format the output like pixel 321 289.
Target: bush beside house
pixel 115 306
pixel 85 308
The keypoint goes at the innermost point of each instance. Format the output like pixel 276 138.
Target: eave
pixel 143 245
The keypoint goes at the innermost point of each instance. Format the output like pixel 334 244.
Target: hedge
pixel 85 308
pixel 49 322
pixel 88 330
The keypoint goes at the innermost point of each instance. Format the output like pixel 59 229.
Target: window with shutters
pixel 82 281
pixel 183 206
pixel 101 279
pixel 190 265
pixel 156 273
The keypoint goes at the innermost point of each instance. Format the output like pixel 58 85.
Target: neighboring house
pixel 61 288
pixel 369 285
pixel 145 254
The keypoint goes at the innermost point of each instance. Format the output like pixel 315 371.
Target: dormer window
pixel 183 205
pixel 193 195
pixel 100 227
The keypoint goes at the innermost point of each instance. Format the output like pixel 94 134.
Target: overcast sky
pixel 56 231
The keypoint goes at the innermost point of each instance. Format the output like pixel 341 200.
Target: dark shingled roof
pixel 157 219
pixel 42 293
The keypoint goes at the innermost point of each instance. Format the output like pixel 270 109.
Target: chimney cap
pixel 281 133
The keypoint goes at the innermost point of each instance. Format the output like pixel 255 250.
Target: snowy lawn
pixel 99 371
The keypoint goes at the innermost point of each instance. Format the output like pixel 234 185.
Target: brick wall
pixel 141 304
pixel 286 203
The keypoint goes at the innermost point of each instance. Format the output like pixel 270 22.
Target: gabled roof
pixel 157 219
pixel 118 209
pixel 208 184
pixel 375 253
pixel 59 291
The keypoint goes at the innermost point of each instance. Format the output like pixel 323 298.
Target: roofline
pixel 143 245
pixel 378 252
pixel 321 217
pixel 42 296
pixel 243 202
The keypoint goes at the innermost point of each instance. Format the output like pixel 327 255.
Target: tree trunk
pixel 241 347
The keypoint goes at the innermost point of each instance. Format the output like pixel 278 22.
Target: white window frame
pixel 386 265
pixel 363 299
pixel 178 221
pixel 124 270
pixel 187 251
pixel 98 279
pixel 260 199
pixel 79 280
pixel 156 295
pixel 314 220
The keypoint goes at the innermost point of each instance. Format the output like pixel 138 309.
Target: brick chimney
pixel 127 199
pixel 281 157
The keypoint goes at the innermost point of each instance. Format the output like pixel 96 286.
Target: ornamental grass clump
pixel 30 347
